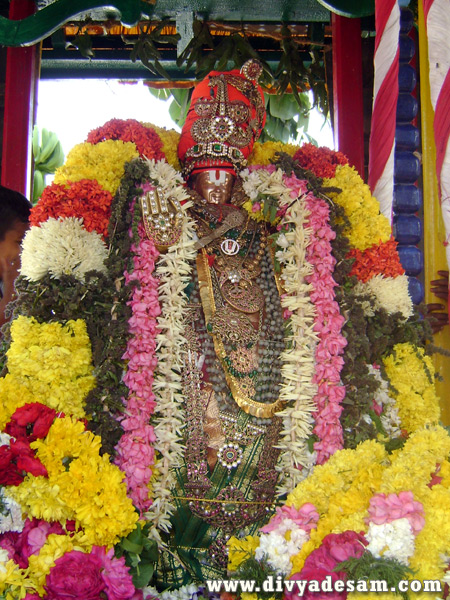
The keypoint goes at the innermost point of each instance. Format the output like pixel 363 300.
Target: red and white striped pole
pixel 437 23
pixel 382 133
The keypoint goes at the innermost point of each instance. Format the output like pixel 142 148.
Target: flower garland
pixel 320 161
pixel 48 363
pixel 411 375
pixel 103 162
pixel 379 259
pixel 147 141
pixel 169 139
pixel 62 247
pixel 135 453
pixel 264 154
pixel 297 389
pixel 367 226
pixel 173 270
pixel 327 324
pixel 81 485
pixel 389 293
pixel 84 199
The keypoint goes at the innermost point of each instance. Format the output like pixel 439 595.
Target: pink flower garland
pixel 385 509
pixel 306 517
pixel 135 452
pixel 327 324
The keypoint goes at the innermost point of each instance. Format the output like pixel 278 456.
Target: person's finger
pixel 431 307
pixel 443 274
pixel 440 293
pixel 441 317
pixel 439 282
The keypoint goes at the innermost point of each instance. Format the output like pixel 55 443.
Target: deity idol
pixel 234 335
pixel 173 323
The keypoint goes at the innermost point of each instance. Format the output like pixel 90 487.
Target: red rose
pixel 9 473
pixel 31 421
pixel 15 460
pixel 76 575
pixel 25 459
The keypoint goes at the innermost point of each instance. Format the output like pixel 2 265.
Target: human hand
pixel 439 287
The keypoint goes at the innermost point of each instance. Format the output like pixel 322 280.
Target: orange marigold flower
pixel 147 141
pixel 320 161
pixel 379 259
pixel 84 199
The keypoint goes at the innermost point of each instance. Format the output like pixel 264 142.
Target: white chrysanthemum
pixel 392 540
pixel 390 293
pixel 62 247
pixel 390 419
pixel 10 514
pixel 277 550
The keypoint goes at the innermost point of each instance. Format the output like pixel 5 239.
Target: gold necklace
pixel 240 394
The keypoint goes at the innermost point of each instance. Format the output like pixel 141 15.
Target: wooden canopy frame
pixel 26 28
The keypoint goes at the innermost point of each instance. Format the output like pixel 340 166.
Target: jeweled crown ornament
pixel 226 117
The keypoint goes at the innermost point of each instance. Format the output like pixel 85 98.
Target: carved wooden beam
pixel 33 29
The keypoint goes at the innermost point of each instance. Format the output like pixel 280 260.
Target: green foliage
pixel 234 49
pixel 83 43
pixel 145 50
pixel 141 554
pixel 48 156
pixel 297 70
pixel 369 568
pixel 257 571
pixel 286 121
pixel 295 73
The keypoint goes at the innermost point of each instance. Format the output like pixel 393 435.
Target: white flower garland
pixel 298 361
pixel 173 269
pixel 62 247
pixel 390 293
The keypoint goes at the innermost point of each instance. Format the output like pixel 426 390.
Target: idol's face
pixel 215 186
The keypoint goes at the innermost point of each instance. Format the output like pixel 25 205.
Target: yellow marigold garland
pixel 263 154
pixel 49 363
pixel 367 225
pixel 103 162
pixel 411 375
pixel 340 490
pixel 170 139
pixel 81 485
